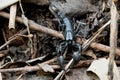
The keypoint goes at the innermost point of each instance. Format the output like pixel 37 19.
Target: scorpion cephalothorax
pixel 69 35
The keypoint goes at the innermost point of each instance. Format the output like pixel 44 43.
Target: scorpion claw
pixel 61 61
pixel 76 58
pixel 76 54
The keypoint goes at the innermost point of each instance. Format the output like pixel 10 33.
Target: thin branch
pixel 63 72
pixel 36 67
pixel 12 39
pixel 35 26
pixel 113 39
pixel 95 35
pixel 5 39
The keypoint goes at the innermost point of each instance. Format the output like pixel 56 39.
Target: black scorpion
pixel 69 35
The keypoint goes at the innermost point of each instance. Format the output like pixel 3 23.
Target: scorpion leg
pixel 60 50
pixel 76 53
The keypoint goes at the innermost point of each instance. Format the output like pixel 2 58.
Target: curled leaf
pixel 98 70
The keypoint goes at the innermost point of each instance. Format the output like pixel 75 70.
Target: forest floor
pixel 36 35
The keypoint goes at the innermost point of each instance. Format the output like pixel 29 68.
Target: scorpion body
pixel 69 36
pixel 68 31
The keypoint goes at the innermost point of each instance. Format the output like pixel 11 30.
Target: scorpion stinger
pixel 69 36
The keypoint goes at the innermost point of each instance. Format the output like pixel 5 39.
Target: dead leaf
pixel 98 70
pixel 46 67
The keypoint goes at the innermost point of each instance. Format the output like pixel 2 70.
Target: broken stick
pixel 13 10
pixel 113 39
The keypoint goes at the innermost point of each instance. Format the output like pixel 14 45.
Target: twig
pixel 25 20
pixel 13 10
pixel 21 75
pixel 113 39
pixel 83 63
pixel 5 39
pixel 35 45
pixel 63 72
pixel 91 39
pixel 35 26
pixel 32 60
pixel 50 61
pixel 12 39
pixel 27 68
pixel 36 67
pixel 104 48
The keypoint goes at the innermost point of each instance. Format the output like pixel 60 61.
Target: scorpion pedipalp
pixel 76 53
